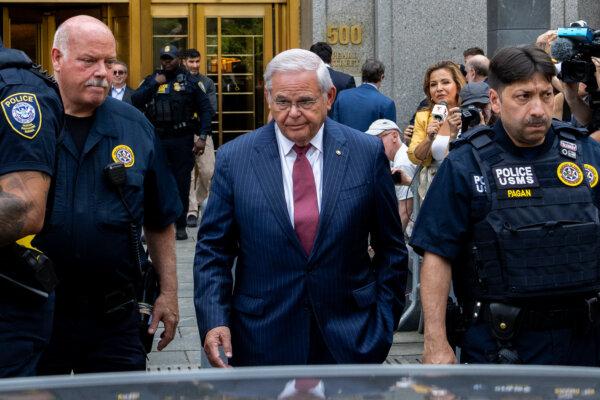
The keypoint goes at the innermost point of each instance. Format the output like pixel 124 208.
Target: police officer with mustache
pixel 511 221
pixel 94 215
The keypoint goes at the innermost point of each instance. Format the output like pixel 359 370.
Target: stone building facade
pixel 409 35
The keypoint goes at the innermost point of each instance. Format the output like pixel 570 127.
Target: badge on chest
pixel 516 181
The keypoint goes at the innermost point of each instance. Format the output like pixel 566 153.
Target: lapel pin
pixel 338 152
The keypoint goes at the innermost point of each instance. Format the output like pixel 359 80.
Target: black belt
pixel 537 320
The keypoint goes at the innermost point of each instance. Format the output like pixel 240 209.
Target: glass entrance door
pixel 235 54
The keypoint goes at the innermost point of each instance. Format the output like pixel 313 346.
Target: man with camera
pixel 519 240
pixel 580 108
pixel 577 49
pixel 475 107
pixel 173 100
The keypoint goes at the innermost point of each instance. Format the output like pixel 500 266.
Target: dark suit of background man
pixel 360 107
pixel 118 83
pixel 175 103
pixel 340 80
pixel 296 202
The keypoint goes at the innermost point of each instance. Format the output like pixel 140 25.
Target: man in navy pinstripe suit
pixel 298 202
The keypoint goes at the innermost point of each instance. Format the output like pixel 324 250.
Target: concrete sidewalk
pixel 184 352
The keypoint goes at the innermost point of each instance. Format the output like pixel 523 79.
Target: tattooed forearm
pixel 22 204
pixel 13 212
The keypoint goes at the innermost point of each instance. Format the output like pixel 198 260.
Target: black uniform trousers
pixel 25 329
pixel 86 340
pixel 180 158
pixel 567 346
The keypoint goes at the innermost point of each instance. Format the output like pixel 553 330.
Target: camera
pixel 397 177
pixel 574 48
pixel 470 117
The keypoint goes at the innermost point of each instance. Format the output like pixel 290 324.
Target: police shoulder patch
pixel 569 173
pixel 124 155
pixel 23 114
pixel 591 174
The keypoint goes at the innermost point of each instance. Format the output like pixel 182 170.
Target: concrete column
pixel 516 22
pixel 589 10
pixel 384 49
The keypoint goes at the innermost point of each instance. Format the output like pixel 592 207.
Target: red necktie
pixel 306 385
pixel 306 209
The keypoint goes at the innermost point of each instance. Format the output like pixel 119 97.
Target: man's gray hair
pixel 121 63
pixel 61 39
pixel 480 65
pixel 298 60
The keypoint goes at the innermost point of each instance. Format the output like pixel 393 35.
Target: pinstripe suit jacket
pixel 357 301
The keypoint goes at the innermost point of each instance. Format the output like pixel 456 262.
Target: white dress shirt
pixel 287 155
pixel 117 93
pixel 402 162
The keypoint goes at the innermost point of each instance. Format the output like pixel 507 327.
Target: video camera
pixel 574 48
pixel 470 116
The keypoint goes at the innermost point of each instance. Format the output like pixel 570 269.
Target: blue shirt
pixel 87 228
pixel 30 121
pixel 457 196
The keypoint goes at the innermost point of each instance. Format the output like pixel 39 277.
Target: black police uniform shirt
pixel 86 232
pixel 31 117
pixel 457 197
pixel 201 107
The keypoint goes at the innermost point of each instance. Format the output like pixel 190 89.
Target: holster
pixel 28 269
pixel 149 291
pixel 456 323
pixel 504 321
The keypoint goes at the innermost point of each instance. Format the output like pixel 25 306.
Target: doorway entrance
pixel 238 42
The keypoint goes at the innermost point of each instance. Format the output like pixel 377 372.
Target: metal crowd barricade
pixel 411 318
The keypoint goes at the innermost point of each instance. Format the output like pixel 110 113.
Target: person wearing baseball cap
pixel 476 94
pixel 175 103
pixel 403 169
pixel 169 51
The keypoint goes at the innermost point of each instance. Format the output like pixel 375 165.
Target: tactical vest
pixel 172 109
pixel 540 237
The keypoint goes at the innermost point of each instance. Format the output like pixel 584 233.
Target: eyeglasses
pixel 119 72
pixel 283 105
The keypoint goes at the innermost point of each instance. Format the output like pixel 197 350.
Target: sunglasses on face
pixel 118 72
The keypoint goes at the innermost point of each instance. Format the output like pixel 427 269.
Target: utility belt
pixel 27 270
pixel 110 303
pixel 176 130
pixel 504 317
pixel 506 321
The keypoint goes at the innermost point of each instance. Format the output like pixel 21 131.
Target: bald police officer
pixel 92 231
pixel 31 119
pixel 519 231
